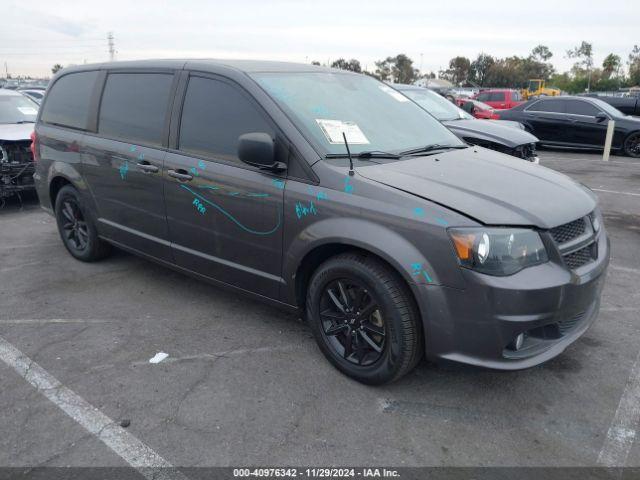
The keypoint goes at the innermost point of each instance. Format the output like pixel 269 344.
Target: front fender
pixel 364 234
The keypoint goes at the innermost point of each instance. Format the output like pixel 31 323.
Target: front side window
pixel 578 107
pixel 214 115
pixel 436 105
pixel 551 106
pixel 372 115
pixel 484 97
pixel 67 102
pixel 497 97
pixel 17 109
pixel 134 107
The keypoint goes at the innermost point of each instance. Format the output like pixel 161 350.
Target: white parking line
pixel 616 192
pixel 622 431
pixel 133 451
pixel 28 321
pixel 624 269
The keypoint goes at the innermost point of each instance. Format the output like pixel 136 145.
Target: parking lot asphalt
pixel 244 384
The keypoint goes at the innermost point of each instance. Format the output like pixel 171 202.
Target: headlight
pixel 498 251
pixel 596 220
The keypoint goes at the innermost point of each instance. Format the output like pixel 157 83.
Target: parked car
pixel 577 122
pixel 34 94
pixel 629 105
pixel 500 135
pixel 325 192
pixel 478 109
pixel 17 116
pixel 500 98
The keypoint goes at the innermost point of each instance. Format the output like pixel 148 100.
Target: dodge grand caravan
pixel 329 193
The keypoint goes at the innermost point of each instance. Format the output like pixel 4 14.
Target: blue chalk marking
pixel 234 193
pixel 124 168
pixel 347 186
pixel 202 165
pixel 302 210
pixel 278 183
pixel 201 208
pixel 416 269
pixel 442 221
pixel 132 148
pixel 231 217
pixel 419 212
pixel 210 187
pixel 257 194
pixel 194 171
pixel 426 275
pixel 141 156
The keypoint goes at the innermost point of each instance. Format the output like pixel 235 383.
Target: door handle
pixel 147 167
pixel 180 174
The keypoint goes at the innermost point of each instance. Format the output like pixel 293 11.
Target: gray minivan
pixel 329 193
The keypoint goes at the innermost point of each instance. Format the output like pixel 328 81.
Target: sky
pixel 37 34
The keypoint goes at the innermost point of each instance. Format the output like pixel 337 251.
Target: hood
pixel 490 130
pixel 489 186
pixel 15 131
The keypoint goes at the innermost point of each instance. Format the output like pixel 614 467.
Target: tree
pixel 315 62
pixel 584 56
pixel 398 69
pixel 56 68
pixel 541 53
pixel 611 65
pixel 352 65
pixel 480 68
pixel 458 71
pixel 634 66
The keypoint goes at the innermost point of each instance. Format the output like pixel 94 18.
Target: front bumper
pixel 552 305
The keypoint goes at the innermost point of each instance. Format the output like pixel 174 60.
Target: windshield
pixel 373 116
pixel 606 108
pixel 17 109
pixel 436 105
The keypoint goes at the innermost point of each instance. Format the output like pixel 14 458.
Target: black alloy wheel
pixel 352 321
pixel 632 145
pixel 74 227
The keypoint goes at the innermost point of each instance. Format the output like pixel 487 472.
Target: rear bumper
pixel 550 304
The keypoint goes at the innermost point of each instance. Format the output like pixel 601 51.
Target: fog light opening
pixel 516 343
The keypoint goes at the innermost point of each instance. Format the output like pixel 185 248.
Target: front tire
pixel 364 319
pixel 76 228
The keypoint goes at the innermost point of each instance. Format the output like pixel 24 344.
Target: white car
pixel 17 117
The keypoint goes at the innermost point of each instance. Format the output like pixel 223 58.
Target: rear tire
pixel 76 227
pixel 632 145
pixel 364 318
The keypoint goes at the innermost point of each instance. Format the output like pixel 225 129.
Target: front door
pixel 225 217
pixel 585 127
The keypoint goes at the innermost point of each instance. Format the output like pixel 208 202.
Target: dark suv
pixel 326 192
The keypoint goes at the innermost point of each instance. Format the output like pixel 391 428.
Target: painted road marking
pixel 622 431
pixel 133 451
pixel 28 321
pixel 616 192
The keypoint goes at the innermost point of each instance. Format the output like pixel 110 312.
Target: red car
pixel 500 98
pixel 478 109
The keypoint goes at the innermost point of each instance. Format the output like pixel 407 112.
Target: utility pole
pixel 6 69
pixel 112 47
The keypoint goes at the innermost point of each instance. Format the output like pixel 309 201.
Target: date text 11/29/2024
pixel 315 473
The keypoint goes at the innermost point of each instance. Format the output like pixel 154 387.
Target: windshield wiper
pixel 431 148
pixel 370 154
pixel 26 121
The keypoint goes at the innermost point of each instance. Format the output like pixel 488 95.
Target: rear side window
pixel 68 100
pixel 484 97
pixel 214 115
pixel 553 106
pixel 578 107
pixel 134 107
pixel 497 97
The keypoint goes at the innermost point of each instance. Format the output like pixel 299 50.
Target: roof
pixel 248 66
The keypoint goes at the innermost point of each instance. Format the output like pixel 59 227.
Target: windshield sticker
pixel 395 94
pixel 28 110
pixel 333 130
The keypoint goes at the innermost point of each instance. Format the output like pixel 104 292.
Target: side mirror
pixel 601 117
pixel 258 149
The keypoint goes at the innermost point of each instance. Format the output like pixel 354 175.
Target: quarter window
pixel 214 115
pixel 134 107
pixel 68 100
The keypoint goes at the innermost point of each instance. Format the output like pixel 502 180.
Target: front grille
pixel 580 257
pixel 568 231
pixel 565 326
